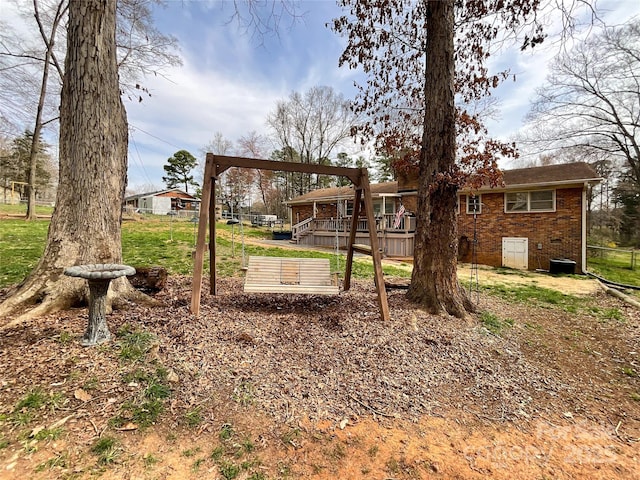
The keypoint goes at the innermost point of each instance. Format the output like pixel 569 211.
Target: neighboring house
pixel 163 202
pixel 538 215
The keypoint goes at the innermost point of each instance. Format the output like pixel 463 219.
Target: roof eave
pixel 520 186
pixel 331 198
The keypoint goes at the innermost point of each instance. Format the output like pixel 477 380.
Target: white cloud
pixel 231 81
pixel 228 84
pixel 185 113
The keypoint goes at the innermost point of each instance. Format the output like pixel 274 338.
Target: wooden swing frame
pixel 217 164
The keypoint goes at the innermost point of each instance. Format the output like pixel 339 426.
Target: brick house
pixel 538 215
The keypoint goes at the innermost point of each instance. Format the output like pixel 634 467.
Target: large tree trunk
pixel 434 282
pixel 85 226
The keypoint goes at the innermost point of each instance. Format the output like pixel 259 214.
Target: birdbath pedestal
pixel 99 277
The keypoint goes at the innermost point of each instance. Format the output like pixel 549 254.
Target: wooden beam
pixel 365 249
pixel 222 163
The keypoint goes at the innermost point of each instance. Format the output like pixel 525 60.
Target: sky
pixel 231 80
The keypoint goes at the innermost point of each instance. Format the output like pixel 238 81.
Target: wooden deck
pixel 290 275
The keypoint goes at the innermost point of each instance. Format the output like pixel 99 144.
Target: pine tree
pixel 178 170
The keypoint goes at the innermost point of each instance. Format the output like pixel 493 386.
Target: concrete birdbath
pixel 99 277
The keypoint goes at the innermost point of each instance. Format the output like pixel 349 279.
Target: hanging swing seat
pixel 290 275
pixel 364 249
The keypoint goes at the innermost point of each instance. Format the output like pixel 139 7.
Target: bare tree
pixel 85 226
pixel 589 106
pixel 260 18
pixel 142 188
pixel 218 145
pixel 48 38
pixel 235 188
pixel 419 56
pixel 254 145
pixel 23 63
pixel 18 60
pixel 312 125
pixel 142 50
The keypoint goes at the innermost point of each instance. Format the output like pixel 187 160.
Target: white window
pixel 474 204
pixel 535 201
pixel 349 208
pixel 389 206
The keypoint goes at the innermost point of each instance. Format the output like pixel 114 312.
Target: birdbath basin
pixel 99 277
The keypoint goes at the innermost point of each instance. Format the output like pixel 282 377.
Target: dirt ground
pixel 291 387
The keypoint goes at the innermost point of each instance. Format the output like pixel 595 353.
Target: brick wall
pixel 558 233
pixel 410 203
pixel 301 212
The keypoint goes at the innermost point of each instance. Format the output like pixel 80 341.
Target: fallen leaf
pixel 128 427
pixel 60 422
pixel 81 395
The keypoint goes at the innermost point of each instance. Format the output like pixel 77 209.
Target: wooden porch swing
pixel 286 275
pixel 290 275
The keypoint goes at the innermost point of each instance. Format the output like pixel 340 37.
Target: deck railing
pixel 300 229
pixel 338 224
pixel 407 223
pixel 385 223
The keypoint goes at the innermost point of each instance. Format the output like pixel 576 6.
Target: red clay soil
pixel 292 387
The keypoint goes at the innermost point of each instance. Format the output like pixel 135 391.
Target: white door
pixel 515 252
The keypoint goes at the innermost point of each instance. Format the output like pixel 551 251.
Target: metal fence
pixel 625 258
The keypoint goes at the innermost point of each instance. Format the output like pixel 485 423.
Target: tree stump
pixel 99 277
pixel 149 279
pixel 397 283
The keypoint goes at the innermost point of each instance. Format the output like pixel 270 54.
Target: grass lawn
pixel 21 209
pixel 615 266
pixel 164 241
pixel 21 245
pixel 170 242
